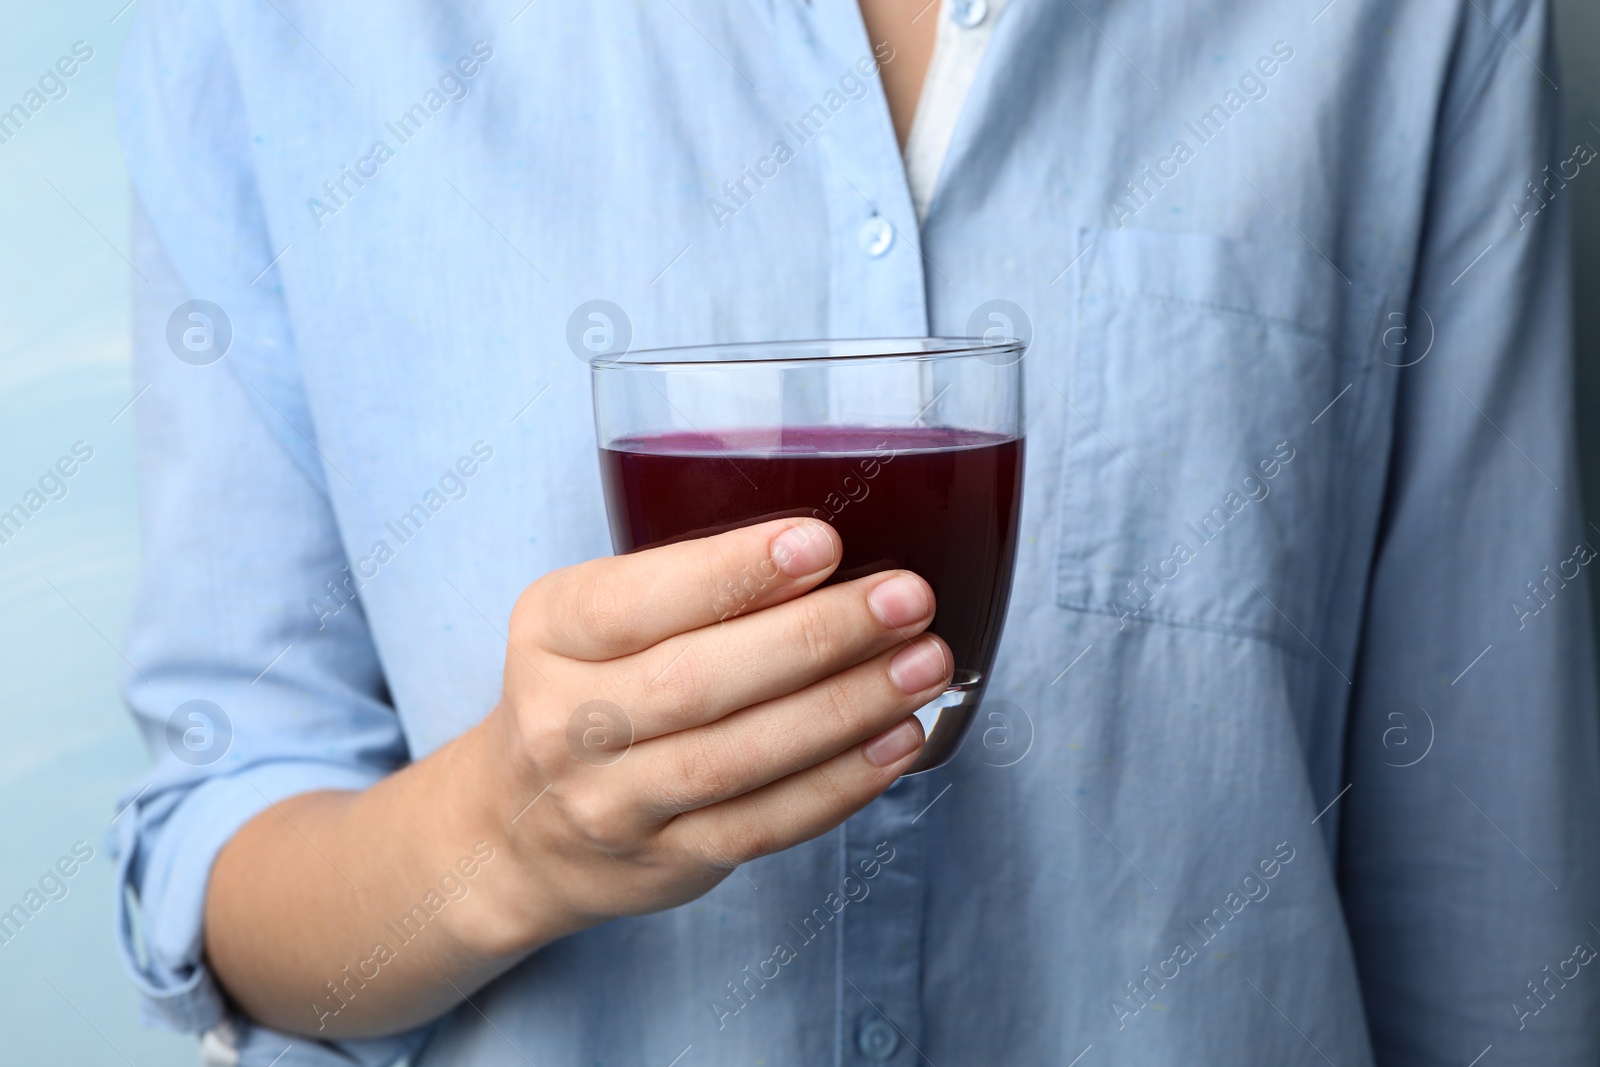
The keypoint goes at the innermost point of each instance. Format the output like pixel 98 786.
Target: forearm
pixel 346 914
pixel 356 914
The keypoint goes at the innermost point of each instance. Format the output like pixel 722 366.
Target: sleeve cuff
pixel 239 1044
pixel 165 841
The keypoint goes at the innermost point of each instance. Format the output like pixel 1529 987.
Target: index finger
pixel 620 605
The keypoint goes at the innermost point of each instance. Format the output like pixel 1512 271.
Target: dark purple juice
pixel 943 503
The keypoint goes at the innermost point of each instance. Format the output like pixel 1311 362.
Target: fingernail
pixel 918 666
pixel 900 601
pixel 802 550
pixel 894 744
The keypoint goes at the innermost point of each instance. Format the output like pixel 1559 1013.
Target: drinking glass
pixel 912 448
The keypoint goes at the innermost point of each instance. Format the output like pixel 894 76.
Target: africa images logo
pixel 199 332
pixel 199 733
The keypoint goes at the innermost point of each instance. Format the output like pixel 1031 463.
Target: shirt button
pixel 968 13
pixel 876 1039
pixel 876 236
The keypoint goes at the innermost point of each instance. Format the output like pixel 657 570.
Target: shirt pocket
pixel 1215 387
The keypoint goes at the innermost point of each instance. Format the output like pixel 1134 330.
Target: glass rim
pixel 864 349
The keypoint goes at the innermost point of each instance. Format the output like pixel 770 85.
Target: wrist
pixel 514 908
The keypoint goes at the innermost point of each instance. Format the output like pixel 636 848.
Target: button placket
pixel 876 284
pixel 884 861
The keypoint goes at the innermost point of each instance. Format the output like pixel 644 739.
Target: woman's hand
pixel 676 712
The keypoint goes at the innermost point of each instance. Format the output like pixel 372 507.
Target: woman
pixel 1297 755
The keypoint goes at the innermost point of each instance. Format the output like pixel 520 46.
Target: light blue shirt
pixel 1291 753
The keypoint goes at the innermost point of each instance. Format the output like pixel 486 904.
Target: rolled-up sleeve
pixel 1471 828
pixel 246 692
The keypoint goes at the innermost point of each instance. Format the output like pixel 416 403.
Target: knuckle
pixel 833 791
pixel 818 631
pixel 706 767
pixel 527 752
pixel 839 699
pixel 525 627
pixel 597 818
pixel 602 613
pixel 678 690
pixel 534 735
pixel 746 840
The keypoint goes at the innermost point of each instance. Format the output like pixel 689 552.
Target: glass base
pixel 945 720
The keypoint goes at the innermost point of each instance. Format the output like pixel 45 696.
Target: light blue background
pixel 64 307
pixel 68 748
